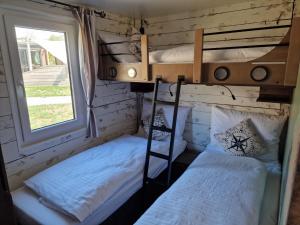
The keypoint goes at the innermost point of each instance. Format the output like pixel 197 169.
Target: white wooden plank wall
pixel 177 29
pixel 170 30
pixel 201 98
pixel 115 111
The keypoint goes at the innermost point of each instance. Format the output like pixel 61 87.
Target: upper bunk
pixel 265 65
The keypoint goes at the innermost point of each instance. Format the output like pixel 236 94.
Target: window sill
pixel 51 142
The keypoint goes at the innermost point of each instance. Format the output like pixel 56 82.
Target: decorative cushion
pixel 182 115
pixel 242 140
pixel 159 120
pixel 268 126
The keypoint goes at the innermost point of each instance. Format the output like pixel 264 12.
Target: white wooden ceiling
pixel 151 8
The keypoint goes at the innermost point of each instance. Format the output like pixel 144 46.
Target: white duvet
pixel 80 184
pixel 217 189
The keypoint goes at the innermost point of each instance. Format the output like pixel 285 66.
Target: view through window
pixel 44 63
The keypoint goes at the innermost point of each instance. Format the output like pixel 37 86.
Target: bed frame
pixel 282 63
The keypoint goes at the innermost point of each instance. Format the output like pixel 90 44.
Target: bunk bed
pixel 273 67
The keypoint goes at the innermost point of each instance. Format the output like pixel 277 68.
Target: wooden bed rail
pixel 145 58
pixel 198 56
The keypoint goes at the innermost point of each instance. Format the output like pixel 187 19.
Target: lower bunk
pixel 89 187
pixel 220 189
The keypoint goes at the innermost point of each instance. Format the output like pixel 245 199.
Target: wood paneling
pixel 177 29
pixel 201 98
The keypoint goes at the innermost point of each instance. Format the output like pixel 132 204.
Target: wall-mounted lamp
pixel 131 72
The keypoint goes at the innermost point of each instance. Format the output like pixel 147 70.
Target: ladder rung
pixel 159 155
pixel 165 102
pixel 164 129
pixel 154 181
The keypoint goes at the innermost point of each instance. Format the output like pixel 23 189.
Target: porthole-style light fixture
pixel 259 73
pixel 221 73
pixel 112 72
pixel 131 72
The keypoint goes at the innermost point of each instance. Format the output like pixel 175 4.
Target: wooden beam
pixel 198 56
pixel 145 58
pixel 293 58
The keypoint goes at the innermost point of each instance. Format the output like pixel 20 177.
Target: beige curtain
pixel 88 58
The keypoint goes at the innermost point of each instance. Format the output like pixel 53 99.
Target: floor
pixel 143 199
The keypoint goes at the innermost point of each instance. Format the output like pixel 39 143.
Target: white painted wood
pixel 6 122
pixel 7 135
pixel 109 90
pixel 201 98
pixel 243 5
pixel 2 79
pixel 178 28
pixel 153 7
pixel 116 117
pixel 3 90
pixel 113 107
pixel 10 152
pixel 5 107
pixel 167 30
pixel 102 101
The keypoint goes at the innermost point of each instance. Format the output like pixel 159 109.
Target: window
pixel 46 79
pixel 47 83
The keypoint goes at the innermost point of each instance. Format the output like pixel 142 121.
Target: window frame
pixel 31 141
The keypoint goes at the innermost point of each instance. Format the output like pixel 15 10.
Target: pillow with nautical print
pixel 159 121
pixel 242 140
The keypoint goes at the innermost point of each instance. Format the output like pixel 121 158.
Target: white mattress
pixel 31 211
pixel 185 54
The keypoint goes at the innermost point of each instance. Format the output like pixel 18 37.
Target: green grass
pixel 46 115
pixel 47 91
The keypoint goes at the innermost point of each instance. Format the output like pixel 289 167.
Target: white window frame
pixel 31 141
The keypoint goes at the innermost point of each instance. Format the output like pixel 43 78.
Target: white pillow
pixel 159 120
pixel 268 126
pixel 242 140
pixel 182 115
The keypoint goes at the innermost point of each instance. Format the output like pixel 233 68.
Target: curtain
pixel 88 59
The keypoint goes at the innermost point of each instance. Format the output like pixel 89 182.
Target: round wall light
pixel 221 73
pixel 259 73
pixel 112 72
pixel 131 72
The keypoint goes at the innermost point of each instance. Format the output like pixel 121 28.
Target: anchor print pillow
pixel 159 121
pixel 242 140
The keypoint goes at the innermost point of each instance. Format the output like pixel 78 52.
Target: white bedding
pixel 102 173
pixel 185 54
pixel 270 204
pixel 216 189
